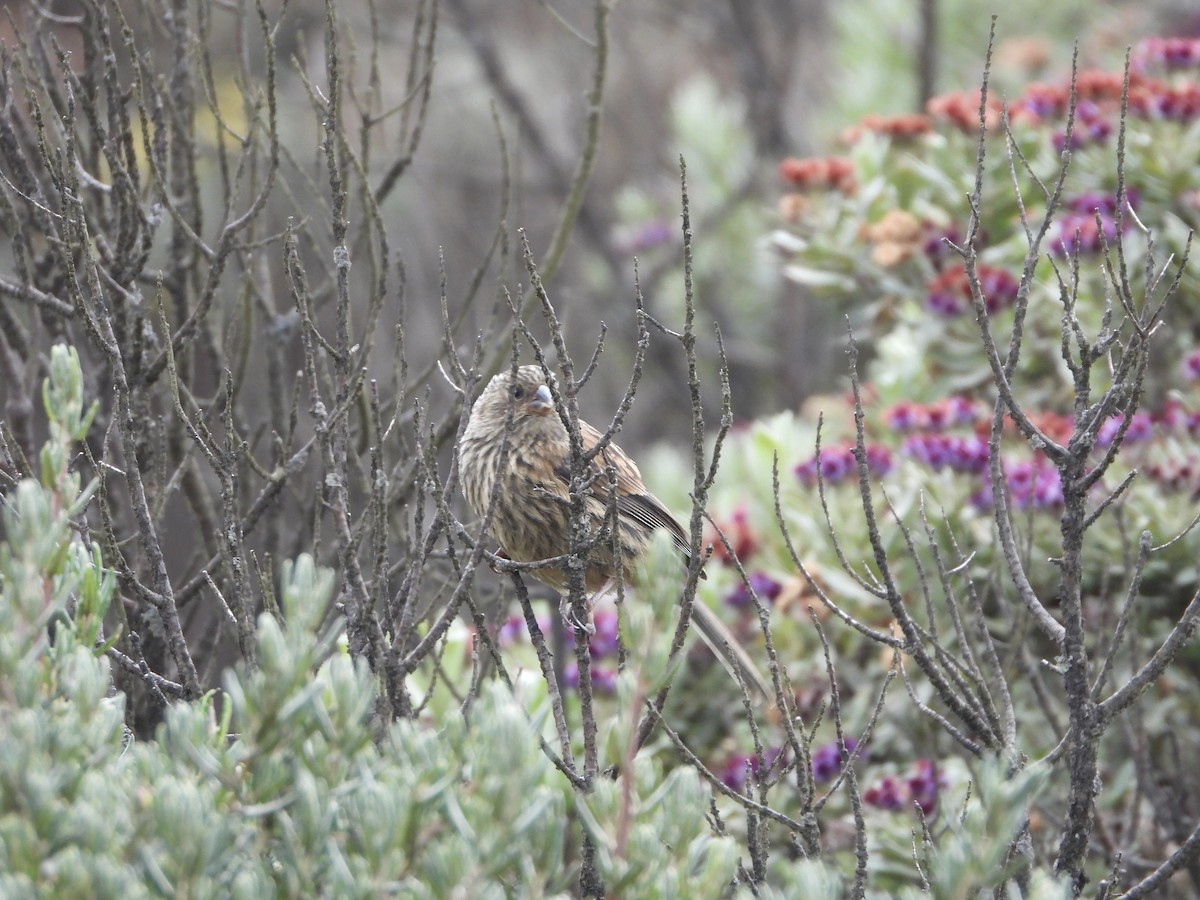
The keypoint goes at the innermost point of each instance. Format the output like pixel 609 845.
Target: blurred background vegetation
pixel 461 123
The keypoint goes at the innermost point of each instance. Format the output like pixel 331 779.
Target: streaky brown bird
pixel 531 519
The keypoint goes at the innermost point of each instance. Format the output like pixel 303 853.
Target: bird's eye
pixel 518 392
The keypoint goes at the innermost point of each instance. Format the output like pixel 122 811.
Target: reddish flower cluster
pixel 899 128
pixel 1054 425
pixel 1173 103
pixel 820 173
pixel 1176 474
pixel 1097 92
pixel 1174 417
pixel 961 109
pixel 1172 466
pixel 950 292
pixel 1093 86
pixel 741 537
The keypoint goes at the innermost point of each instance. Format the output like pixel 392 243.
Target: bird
pixel 531 483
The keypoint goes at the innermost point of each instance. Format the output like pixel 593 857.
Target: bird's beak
pixel 541 402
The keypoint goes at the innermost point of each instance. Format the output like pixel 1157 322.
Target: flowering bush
pixel 890 505
pixel 886 249
pixel 901 190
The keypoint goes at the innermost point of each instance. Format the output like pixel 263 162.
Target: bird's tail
pixel 729 650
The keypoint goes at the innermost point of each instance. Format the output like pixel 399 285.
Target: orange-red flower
pixel 961 109
pixel 899 128
pixel 817 173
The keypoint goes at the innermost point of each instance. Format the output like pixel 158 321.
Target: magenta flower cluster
pixel 959 453
pixel 835 464
pixel 1091 127
pixel 1089 223
pixel 907 416
pixel 604 644
pixel 763 585
pixel 828 759
pixel 949 294
pixel 1141 429
pixel 740 767
pixel 920 789
pixel 1167 52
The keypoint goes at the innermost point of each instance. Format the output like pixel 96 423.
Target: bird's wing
pixel 633 499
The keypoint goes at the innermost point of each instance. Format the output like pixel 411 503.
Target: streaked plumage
pixel 531 519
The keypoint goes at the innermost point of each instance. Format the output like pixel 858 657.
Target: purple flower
pixel 827 759
pixel 1048 492
pixel 806 472
pixel 1172 415
pixel 511 631
pixel 950 293
pixel 1033 484
pixel 1089 223
pixel 735 772
pixel 1140 429
pixel 1090 127
pixel 1169 52
pixel 879 459
pixel 1191 366
pixel 604 679
pixel 959 410
pixel 836 464
pixel 999 288
pixel 936 246
pixel 650 235
pixel 605 640
pixel 938 451
pixel 923 787
pixel 946 303
pixel 971 454
pixel 982 499
pixel 763 585
pixel 908 416
pixel 930 449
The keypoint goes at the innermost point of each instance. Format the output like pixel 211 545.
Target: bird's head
pixel 526 392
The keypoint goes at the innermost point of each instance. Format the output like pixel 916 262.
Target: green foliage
pixel 654 838
pixel 282 784
pixel 709 131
